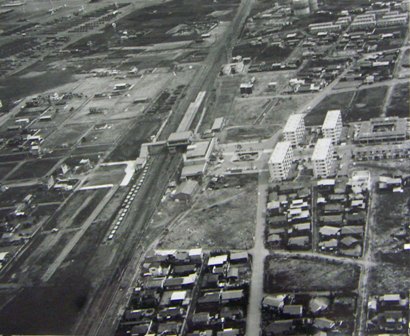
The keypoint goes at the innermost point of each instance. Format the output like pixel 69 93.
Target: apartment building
pixel 280 161
pixel 323 158
pixel 294 130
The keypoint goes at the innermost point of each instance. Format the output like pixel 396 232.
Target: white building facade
pixel 280 161
pixel 323 158
pixel 294 130
pixel 332 126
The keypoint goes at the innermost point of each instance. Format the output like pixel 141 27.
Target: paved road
pixel 259 253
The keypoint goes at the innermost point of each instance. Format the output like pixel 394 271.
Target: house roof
pixel 217 260
pixel 187 187
pixel 329 230
pixel 233 294
pixel 275 301
pixel 178 295
pixel 317 304
pixel 323 323
pixel 295 310
pixel 235 256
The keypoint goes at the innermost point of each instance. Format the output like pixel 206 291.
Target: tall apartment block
pixel 294 129
pixel 323 158
pixel 280 161
pixel 332 126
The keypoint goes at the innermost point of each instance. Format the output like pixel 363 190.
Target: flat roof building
pixel 332 126
pixel 323 158
pixel 382 130
pixel 280 161
pixel 218 124
pixel 196 158
pixel 324 27
pixel 294 129
pixel 179 140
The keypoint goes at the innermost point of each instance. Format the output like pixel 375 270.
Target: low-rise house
pixel 323 323
pixel 293 310
pixel 275 302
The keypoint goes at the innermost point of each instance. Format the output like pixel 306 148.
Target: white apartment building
pixel 393 20
pixel 332 126
pixel 323 158
pixel 280 161
pixel 294 129
pixel 324 27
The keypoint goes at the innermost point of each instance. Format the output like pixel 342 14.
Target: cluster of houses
pixel 318 314
pixel 341 212
pixel 16 220
pixel 317 74
pixel 373 68
pixel 388 313
pixel 190 293
pixel 289 217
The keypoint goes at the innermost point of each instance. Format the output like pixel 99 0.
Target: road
pixel 259 253
pixel 363 290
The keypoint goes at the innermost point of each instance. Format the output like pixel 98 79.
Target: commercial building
pixel 323 158
pixel 178 140
pixel 196 158
pixel 382 130
pixel 280 161
pixel 294 129
pixel 332 126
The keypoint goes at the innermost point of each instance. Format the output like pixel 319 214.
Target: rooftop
pixel 197 149
pixel 293 122
pixel 331 119
pixel 322 149
pixel 280 151
pixel 180 136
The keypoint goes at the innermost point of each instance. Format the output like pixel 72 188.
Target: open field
pixel 66 136
pixel 15 195
pixel 400 101
pixel 355 105
pixel 391 216
pixel 6 168
pixel 293 274
pixel 38 300
pixel 222 218
pixel 33 169
pixel 221 100
pixel 129 148
pixel 247 133
pixel 284 107
pixel 368 104
pixel 106 175
pixel 335 101
pixel 391 273
pixel 245 111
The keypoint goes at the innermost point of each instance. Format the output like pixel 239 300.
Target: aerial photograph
pixel 204 167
